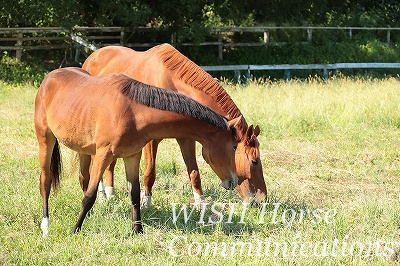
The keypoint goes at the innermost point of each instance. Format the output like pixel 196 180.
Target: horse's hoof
pixel 75 230
pixel 102 196
pixel 197 203
pixel 145 201
pixel 110 192
pixel 137 228
pixel 45 226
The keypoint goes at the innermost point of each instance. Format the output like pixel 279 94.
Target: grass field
pixel 331 159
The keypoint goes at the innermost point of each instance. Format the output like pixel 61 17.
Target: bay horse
pixel 165 67
pixel 114 116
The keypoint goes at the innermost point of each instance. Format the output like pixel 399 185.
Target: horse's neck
pixel 205 90
pixel 197 95
pixel 222 105
pixel 157 124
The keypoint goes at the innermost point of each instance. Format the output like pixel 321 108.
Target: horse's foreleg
pixel 99 163
pixel 150 152
pixel 188 149
pixel 132 165
pixel 109 189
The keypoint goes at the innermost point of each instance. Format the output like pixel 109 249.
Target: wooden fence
pixel 59 38
pixel 20 39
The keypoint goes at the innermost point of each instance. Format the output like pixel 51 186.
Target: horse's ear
pixel 235 126
pixel 234 122
pixel 239 123
pixel 249 132
pixel 257 131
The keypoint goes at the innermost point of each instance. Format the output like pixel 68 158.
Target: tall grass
pixel 325 145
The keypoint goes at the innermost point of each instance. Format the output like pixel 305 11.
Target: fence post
pixel 173 39
pixel 309 35
pixel 18 52
pixel 220 46
pixel 350 34
pixel 266 37
pixel 76 58
pixel 388 38
pixel 122 38
pixel 286 75
pixel 326 73
pixel 236 77
pixel 248 75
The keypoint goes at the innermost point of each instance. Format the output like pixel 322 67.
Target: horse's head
pixel 220 154
pixel 248 166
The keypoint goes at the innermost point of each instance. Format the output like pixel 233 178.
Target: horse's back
pixel 142 66
pixel 70 102
pixel 95 63
pixel 112 59
pixel 78 84
pixel 58 79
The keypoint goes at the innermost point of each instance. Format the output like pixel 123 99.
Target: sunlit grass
pixel 325 144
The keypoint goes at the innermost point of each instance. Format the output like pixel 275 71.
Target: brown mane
pixel 195 76
pixel 170 101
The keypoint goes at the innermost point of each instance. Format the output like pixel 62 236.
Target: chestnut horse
pixel 164 66
pixel 112 117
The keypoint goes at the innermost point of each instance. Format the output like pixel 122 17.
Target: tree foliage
pixel 200 13
pixel 190 19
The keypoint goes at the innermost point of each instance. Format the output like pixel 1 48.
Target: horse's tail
pixel 55 166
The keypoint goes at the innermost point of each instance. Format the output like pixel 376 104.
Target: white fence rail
pixel 286 67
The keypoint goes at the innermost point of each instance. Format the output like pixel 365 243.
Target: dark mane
pixel 195 76
pixel 168 100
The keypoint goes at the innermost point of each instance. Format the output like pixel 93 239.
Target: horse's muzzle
pixel 255 199
pixel 231 182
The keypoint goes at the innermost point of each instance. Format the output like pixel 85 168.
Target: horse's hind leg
pixel 150 152
pixel 132 164
pixel 84 171
pixel 47 143
pixel 188 149
pixel 101 160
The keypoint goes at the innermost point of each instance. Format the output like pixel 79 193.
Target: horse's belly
pixel 77 142
pixel 79 146
pixel 76 136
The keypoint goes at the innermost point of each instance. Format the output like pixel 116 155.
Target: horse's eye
pixel 234 147
pixel 254 162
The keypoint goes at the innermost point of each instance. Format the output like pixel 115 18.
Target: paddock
pixel 329 145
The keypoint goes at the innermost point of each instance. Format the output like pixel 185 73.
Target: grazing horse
pixel 164 66
pixel 112 117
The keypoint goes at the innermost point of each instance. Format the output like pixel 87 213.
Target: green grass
pixel 325 145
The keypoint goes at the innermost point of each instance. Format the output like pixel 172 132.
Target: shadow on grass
pixel 231 217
